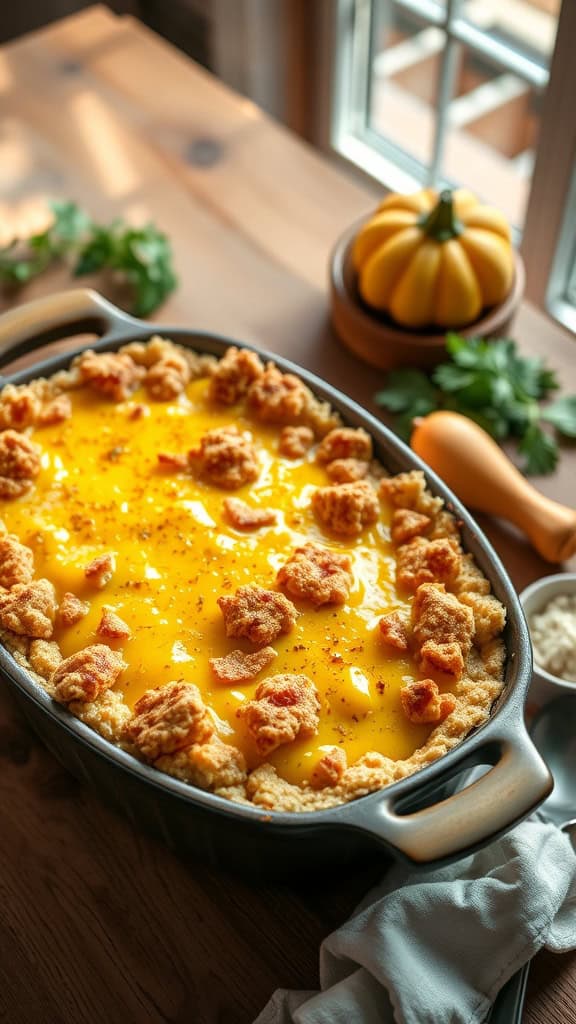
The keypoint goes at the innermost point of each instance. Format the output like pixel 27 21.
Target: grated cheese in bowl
pixel 553 633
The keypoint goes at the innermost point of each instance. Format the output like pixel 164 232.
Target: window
pixel 457 92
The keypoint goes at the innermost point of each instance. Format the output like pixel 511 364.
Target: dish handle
pixel 515 783
pixel 53 317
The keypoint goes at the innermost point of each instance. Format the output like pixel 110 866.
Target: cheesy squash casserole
pixel 205 565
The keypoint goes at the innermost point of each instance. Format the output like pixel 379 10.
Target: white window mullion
pixel 548 205
pixel 445 93
pixel 362 78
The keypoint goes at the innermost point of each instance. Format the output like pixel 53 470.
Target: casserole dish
pixel 412 818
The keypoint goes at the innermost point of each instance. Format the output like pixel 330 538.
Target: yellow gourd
pixel 429 259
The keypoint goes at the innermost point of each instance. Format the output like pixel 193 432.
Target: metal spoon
pixel 554 733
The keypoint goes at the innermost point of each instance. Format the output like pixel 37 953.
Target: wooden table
pixel 97 921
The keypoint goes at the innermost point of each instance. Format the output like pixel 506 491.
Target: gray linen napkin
pixel 436 947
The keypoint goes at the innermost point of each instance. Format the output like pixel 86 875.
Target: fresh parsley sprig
pixel 492 384
pixel 141 256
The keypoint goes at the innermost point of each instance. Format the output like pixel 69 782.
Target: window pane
pixel 406 54
pixel 493 125
pixel 527 26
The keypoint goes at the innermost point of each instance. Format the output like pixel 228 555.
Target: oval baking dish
pixel 412 818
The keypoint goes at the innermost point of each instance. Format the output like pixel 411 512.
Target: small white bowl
pixel 545 687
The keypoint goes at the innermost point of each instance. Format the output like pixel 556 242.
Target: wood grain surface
pixel 98 922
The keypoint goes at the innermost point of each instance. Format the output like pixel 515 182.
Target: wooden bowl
pixel 378 340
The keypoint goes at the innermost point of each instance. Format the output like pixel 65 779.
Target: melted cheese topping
pixel 101 490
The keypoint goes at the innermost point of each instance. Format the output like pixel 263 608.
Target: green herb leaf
pixel 530 378
pixel 520 415
pixel 464 352
pixel 562 414
pixel 70 223
pixel 539 449
pixel 502 391
pixel 547 381
pixel 95 253
pixel 449 377
pixel 478 394
pixel 405 389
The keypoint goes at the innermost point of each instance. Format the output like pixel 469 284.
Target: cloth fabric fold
pixel 436 947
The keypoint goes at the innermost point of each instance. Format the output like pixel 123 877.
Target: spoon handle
pixel 509 1004
pixel 483 477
